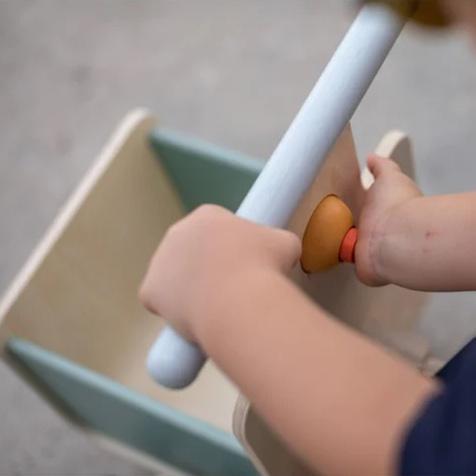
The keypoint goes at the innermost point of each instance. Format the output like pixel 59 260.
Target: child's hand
pixel 391 189
pixel 207 260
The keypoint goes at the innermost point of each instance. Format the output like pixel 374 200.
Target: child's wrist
pixel 389 239
pixel 233 302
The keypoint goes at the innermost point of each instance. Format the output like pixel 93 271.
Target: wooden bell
pixel 330 236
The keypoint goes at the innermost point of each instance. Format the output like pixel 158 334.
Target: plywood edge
pixel 93 402
pixel 390 142
pixel 194 146
pixel 138 118
pixel 395 145
pixel 240 418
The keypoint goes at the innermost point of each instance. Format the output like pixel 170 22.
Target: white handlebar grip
pixel 173 361
pixel 292 168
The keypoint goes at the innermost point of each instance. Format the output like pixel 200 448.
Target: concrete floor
pixel 233 72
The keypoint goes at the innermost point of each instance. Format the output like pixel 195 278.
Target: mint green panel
pixel 140 422
pixel 204 173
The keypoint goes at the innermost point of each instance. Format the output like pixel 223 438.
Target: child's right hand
pixel 212 260
pixel 391 190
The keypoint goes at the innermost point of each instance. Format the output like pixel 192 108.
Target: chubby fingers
pixel 284 247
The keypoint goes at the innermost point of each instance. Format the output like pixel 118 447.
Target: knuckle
pixel 171 231
pixel 149 304
pixel 175 229
pixel 209 215
pixel 294 242
pixel 143 295
pixel 206 210
pixel 290 246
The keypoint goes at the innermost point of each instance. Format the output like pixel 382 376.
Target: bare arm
pixel 423 243
pixel 341 402
pixel 429 244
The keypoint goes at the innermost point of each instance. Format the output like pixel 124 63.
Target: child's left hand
pixel 391 189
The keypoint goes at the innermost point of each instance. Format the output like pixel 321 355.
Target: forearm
pixel 429 243
pixel 337 399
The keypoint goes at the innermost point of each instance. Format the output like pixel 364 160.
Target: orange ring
pixel 347 248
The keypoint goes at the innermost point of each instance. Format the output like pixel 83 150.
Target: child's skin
pixel 418 242
pixel 339 400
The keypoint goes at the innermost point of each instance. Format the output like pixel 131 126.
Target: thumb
pixel 381 165
pixel 288 248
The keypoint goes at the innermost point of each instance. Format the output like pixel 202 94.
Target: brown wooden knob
pixel 329 236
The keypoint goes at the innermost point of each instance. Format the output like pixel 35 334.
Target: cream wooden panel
pixel 77 294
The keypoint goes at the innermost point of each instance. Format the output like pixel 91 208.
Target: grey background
pixel 230 71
